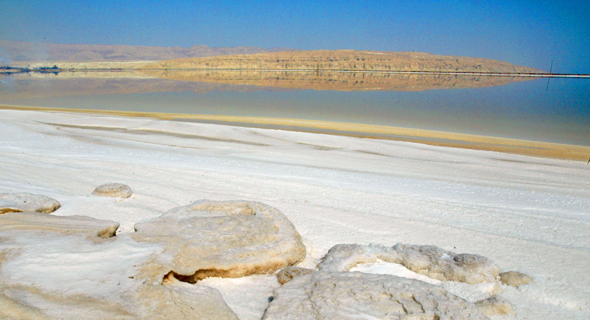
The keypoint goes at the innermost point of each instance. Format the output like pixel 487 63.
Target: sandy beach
pixel 524 205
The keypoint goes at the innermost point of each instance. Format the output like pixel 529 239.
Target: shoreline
pixel 423 136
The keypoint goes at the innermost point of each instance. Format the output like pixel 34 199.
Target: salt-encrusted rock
pixel 515 278
pixel 431 261
pixel 223 239
pixel 355 295
pixel 18 202
pixel 288 273
pixel 115 190
pixel 495 306
pixel 36 221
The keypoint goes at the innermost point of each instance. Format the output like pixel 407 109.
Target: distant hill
pixel 17 51
pixel 343 60
pixel 83 56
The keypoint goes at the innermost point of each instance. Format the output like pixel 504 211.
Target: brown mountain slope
pixel 344 60
pixel 17 51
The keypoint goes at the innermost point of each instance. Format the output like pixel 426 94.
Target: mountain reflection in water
pixel 120 82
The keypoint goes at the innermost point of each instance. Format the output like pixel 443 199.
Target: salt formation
pixel 35 221
pixel 223 239
pixel 55 267
pixel 515 278
pixel 428 260
pixel 18 202
pixel 115 190
pixel 355 295
pixel 145 302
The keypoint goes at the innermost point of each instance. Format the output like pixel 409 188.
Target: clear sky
pixel 530 33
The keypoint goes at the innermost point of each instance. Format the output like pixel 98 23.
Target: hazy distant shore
pixel 429 137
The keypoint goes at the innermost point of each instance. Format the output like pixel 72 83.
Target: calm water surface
pixel 523 110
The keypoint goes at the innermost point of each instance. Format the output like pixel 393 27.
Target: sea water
pixel 538 110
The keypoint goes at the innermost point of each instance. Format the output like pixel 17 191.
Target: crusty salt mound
pixel 430 261
pixel 115 190
pixel 355 295
pixel 515 278
pixel 223 239
pixel 36 221
pixel 18 202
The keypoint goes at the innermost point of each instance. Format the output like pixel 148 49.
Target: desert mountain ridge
pixel 18 51
pixel 349 60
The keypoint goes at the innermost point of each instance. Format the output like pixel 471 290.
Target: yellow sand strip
pixel 437 138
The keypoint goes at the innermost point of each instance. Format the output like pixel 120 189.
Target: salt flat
pixel 527 214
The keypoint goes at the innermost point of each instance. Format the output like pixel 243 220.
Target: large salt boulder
pixel 223 239
pixel 428 260
pixel 18 202
pixel 36 221
pixel 115 190
pixel 355 295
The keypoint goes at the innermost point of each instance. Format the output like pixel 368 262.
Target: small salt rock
pixel 495 306
pixel 113 190
pixel 515 278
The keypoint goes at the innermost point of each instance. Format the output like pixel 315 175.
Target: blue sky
pixel 530 33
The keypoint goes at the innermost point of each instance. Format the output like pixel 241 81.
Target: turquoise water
pixel 522 110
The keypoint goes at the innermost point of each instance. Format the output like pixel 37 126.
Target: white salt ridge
pixel 469 292
pixel 394 269
pixel 523 213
